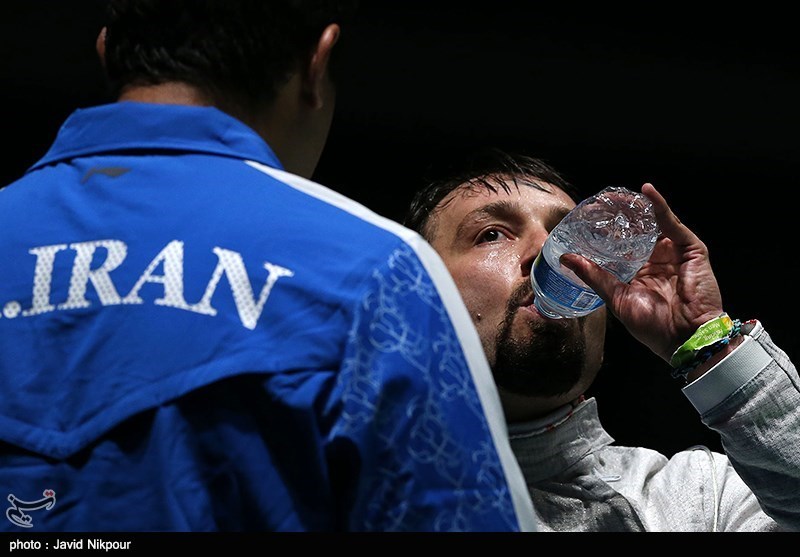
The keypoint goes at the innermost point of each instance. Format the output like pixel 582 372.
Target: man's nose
pixel 531 248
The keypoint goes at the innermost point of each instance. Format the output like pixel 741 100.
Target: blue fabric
pixel 188 343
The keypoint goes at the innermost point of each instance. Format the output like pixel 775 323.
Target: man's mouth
pixel 522 298
pixel 527 303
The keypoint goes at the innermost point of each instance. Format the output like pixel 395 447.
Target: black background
pixel 701 103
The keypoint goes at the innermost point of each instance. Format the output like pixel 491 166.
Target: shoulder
pixel 327 196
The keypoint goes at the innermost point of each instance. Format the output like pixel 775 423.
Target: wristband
pixel 707 334
pixel 710 346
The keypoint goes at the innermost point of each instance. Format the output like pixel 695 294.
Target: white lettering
pixel 42 276
pixel 11 309
pixel 172 279
pixel 24 544
pixel 82 274
pixel 230 263
pixel 99 543
pixel 73 544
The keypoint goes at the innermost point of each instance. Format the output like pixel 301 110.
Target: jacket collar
pixel 549 446
pixel 125 126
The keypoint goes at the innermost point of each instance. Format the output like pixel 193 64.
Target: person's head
pixel 487 217
pixel 269 63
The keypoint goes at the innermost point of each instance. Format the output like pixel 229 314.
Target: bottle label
pixel 563 291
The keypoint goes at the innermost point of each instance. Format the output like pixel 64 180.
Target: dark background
pixel 702 104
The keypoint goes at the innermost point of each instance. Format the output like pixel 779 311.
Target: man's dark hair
pixel 239 52
pixel 490 168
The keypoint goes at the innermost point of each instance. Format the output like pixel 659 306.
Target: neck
pixel 285 124
pixel 166 93
pixel 520 409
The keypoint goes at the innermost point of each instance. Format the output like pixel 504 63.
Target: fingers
pixel 669 223
pixel 598 279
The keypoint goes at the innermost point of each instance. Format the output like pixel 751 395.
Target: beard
pixel 548 361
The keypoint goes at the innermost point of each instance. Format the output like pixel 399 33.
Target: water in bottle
pixel 616 228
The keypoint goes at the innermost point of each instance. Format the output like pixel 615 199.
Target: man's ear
pixel 316 71
pixel 100 46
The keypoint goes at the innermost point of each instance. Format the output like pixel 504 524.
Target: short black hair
pixel 236 51
pixel 491 168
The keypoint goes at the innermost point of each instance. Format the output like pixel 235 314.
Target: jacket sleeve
pixel 751 399
pixel 419 416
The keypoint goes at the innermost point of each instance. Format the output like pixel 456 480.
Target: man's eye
pixel 491 235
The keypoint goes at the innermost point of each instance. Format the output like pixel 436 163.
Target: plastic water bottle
pixel 616 228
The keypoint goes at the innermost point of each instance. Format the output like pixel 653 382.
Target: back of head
pixel 237 52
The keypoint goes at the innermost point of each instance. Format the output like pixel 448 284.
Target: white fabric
pixel 580 481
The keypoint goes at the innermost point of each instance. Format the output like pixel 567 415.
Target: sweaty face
pixel 489 241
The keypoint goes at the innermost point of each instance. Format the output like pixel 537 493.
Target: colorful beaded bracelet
pixel 710 338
